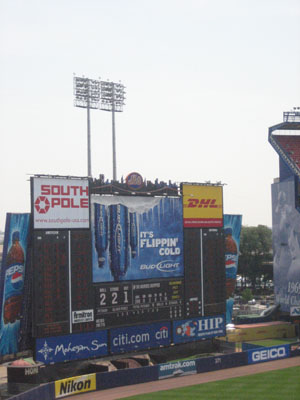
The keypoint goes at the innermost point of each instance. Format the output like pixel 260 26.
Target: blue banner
pixel 198 328
pixel 179 368
pixel 12 280
pixel 232 230
pixel 268 354
pixel 71 347
pixel 136 238
pixel 140 337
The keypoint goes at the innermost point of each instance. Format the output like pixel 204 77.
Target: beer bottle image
pixel 101 232
pixel 119 240
pixel 14 281
pixel 133 234
pixel 231 254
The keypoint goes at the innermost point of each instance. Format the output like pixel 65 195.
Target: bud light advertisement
pixel 232 231
pixel 136 238
pixel 12 280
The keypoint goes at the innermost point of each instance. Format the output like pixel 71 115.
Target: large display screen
pixel 136 238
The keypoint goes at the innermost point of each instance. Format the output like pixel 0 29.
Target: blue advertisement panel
pixel 136 238
pixel 286 245
pixel 12 280
pixel 140 337
pixel 198 328
pixel 232 230
pixel 268 354
pixel 178 368
pixel 71 347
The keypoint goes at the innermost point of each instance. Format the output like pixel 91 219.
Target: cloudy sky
pixel 204 81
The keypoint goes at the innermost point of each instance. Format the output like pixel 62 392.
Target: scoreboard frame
pixel 81 305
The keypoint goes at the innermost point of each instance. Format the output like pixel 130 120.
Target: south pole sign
pixel 60 203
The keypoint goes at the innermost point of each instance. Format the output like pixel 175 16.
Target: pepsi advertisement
pixel 12 280
pixel 140 337
pixel 136 238
pixel 232 231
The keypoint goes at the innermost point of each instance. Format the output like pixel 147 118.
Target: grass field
pixel 282 384
pixel 273 342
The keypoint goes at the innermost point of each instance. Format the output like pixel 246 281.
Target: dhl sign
pixel 202 206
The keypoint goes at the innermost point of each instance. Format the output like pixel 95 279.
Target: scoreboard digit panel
pixel 214 271
pixel 192 272
pixel 81 282
pixel 51 283
pixel 129 303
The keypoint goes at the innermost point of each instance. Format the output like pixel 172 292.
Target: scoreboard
pixel 138 302
pixel 132 263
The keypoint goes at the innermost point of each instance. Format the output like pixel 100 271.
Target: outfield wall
pixel 125 377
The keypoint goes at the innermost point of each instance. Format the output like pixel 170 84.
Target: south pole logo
pixel 42 205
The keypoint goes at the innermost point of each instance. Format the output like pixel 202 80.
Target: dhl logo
pixel 202 203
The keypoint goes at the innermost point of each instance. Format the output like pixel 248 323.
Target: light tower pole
pixel 112 96
pixel 87 95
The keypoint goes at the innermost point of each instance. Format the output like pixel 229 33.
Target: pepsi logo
pixel 17 280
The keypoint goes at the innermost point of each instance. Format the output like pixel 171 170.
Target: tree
pixel 255 253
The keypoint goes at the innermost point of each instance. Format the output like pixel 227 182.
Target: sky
pixel 205 79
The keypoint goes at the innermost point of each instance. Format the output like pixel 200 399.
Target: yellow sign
pixel 202 206
pixel 75 385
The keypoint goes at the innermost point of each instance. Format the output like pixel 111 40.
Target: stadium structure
pixel 285 139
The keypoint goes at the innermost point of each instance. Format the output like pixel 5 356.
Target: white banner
pixel 60 203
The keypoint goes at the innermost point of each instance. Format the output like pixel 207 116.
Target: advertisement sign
pixel 232 230
pixel 136 238
pixel 60 203
pixel 12 280
pixel 295 311
pixel 198 328
pixel 71 347
pixel 179 368
pixel 286 245
pixel 202 206
pixel 268 354
pixel 140 337
pixel 75 385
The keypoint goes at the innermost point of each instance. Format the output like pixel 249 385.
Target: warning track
pixel 172 383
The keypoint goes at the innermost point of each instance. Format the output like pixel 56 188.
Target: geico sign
pixel 269 354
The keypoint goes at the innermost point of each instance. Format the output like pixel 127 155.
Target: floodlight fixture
pixel 103 95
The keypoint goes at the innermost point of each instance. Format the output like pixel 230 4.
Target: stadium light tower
pixel 87 95
pixel 112 96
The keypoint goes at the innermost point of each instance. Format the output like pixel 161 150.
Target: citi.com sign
pixel 59 203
